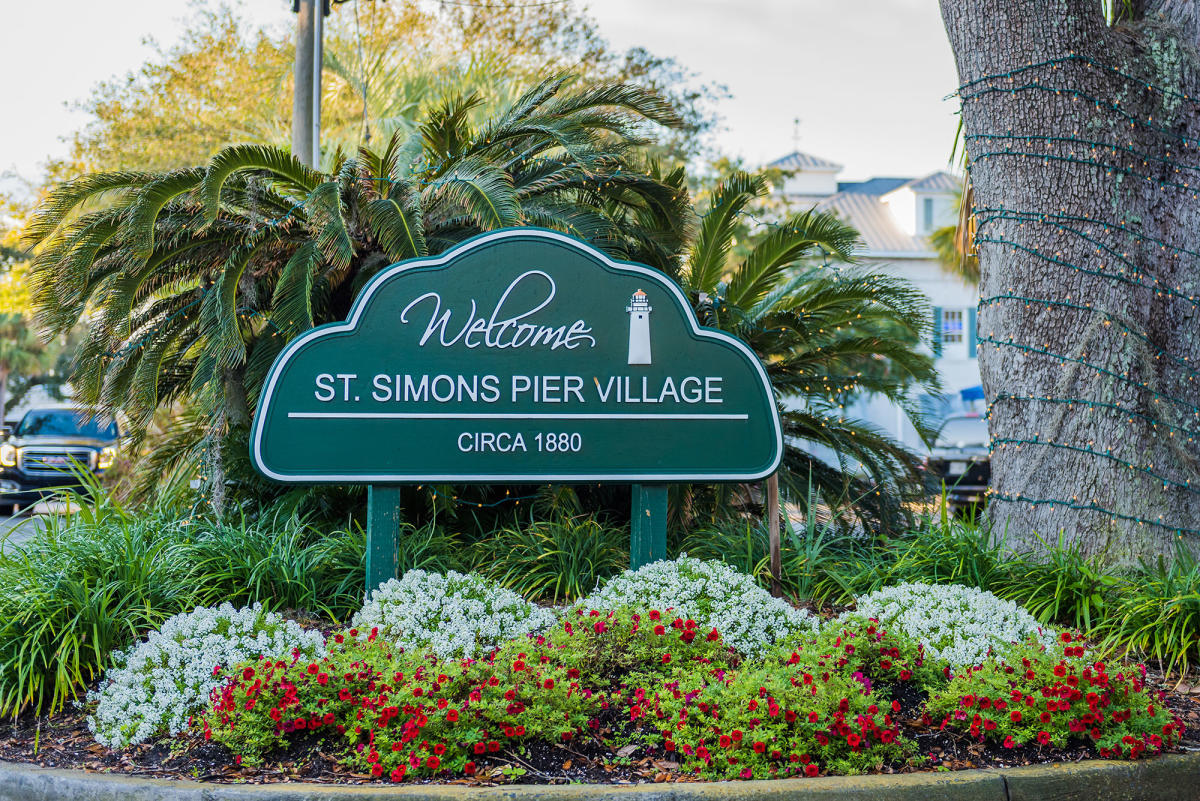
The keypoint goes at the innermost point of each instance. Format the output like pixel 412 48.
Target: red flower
pixel 322 679
pixel 1044 737
pixel 452 715
pixel 433 763
pixel 548 684
pixel 713 636
pixel 660 629
pixel 688 635
pixel 469 768
pixel 398 774
pixel 811 770
pixel 439 749
pixel 853 740
pixel 377 770
pixel 759 746
pixel 655 615
pixel 1009 743
pixel 725 741
pixel 248 673
pixel 480 747
pixel 1015 715
pixel 666 658
pixel 312 668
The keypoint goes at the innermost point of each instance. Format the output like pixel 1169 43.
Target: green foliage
pixel 282 562
pixel 97 580
pixel 1062 584
pixel 1157 613
pixel 557 560
pixel 78 591
pixel 825 335
pixel 1043 697
pixel 199 276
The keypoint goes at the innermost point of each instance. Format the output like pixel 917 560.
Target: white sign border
pixel 379 279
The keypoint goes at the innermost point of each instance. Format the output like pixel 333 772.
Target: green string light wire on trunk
pixel 1113 158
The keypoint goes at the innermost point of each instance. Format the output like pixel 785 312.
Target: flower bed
pixel 628 686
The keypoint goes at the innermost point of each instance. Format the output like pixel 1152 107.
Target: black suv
pixel 960 460
pixel 41 452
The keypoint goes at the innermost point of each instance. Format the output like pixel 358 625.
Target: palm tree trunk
pixel 1081 141
pixel 773 534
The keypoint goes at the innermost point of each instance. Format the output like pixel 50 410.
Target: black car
pixel 44 449
pixel 960 461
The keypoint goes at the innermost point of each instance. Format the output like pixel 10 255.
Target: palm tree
pixel 194 279
pixel 20 351
pixel 825 336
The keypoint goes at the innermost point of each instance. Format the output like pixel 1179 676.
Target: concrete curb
pixel 1170 778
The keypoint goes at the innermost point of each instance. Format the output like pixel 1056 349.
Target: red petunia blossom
pixel 452 715
pixel 759 746
pixel 433 763
pixel 312 668
pixel 1015 715
pixel 811 770
pixel 548 684
pixel 322 679
pixel 1043 737
pixel 1009 742
pixel 479 748
pixel 248 673
pixel 713 636
pixel 688 635
pixel 469 768
pixel 666 659
pixel 725 741
pixel 377 770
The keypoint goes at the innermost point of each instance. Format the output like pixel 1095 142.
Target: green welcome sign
pixel 522 355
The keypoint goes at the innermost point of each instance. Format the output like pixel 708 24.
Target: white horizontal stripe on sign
pixel 504 416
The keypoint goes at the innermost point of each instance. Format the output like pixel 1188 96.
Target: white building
pixel 895 217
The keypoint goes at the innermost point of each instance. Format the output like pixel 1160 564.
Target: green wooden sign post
pixel 520 356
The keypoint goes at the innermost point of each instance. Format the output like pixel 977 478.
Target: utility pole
pixel 306 96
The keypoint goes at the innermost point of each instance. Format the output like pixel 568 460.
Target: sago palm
pixel 826 335
pixel 193 280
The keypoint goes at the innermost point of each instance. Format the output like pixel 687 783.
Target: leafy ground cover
pixel 620 687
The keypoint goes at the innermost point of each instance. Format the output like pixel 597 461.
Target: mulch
pixel 63 741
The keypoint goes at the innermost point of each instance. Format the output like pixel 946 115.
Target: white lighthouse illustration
pixel 639 328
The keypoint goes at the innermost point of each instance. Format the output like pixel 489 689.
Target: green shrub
pixel 713 594
pixel 557 560
pixel 76 592
pixel 1054 696
pixel 1157 613
pixel 1061 585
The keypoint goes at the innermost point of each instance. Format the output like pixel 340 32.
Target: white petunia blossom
pixel 155 686
pixel 713 594
pixel 960 625
pixel 454 615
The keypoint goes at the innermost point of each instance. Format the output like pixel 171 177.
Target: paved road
pixel 14 530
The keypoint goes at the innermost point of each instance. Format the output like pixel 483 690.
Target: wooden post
pixel 648 524
pixel 773 534
pixel 383 534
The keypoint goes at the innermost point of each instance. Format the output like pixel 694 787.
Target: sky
pixel 866 78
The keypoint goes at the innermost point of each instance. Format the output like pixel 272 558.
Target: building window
pixel 952 325
pixel 927 205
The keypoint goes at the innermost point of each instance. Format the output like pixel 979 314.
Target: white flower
pixel 713 594
pixel 455 615
pixel 960 625
pixel 155 686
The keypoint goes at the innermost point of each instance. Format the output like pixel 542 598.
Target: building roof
pixel 803 161
pixel 873 186
pixel 874 222
pixel 940 181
